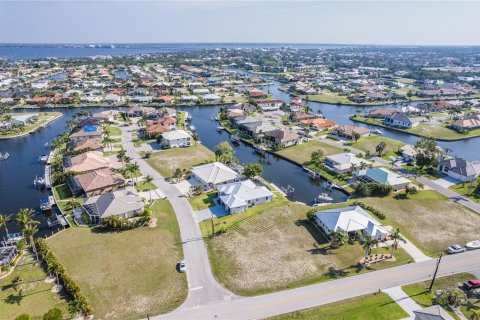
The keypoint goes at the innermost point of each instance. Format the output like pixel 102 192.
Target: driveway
pixel 215 211
pixel 447 182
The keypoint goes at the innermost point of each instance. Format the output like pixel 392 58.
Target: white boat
pixel 43 158
pixel 235 138
pixel 324 197
pixel 192 128
pixel 46 144
pixel 6 156
pixel 376 131
pixel 260 150
pixel 39 181
pixel 473 245
pixel 220 128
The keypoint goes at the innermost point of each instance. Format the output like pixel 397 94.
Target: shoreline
pixel 413 133
pixel 47 123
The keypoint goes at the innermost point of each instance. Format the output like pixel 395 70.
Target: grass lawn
pixel 373 307
pixel 181 120
pixel 145 186
pixel 166 161
pixel 203 201
pixel 419 291
pixel 467 190
pixel 33 295
pixel 301 152
pixel 429 219
pixel 114 131
pixel 43 118
pixel 126 274
pixel 370 143
pixel 62 191
pixel 270 248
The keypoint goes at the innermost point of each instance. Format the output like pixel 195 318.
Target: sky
pixel 223 21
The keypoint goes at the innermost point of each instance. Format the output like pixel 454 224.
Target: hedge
pixel 373 210
pixel 71 287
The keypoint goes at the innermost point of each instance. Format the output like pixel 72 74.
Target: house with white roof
pixel 345 162
pixel 175 139
pixel 239 196
pixel 382 176
pixel 211 175
pixel 350 220
pixel 24 119
pixel 400 120
pixel 121 203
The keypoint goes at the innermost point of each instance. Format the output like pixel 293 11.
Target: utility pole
pixel 435 274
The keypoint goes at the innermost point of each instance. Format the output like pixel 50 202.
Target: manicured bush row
pixel 71 287
pixel 373 210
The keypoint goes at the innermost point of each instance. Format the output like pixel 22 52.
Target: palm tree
pixel 73 203
pixel 121 155
pixel 108 142
pixel 24 218
pixel 148 180
pixel 127 159
pixel 396 237
pixel 134 169
pixel 4 220
pixel 368 246
pixel 29 231
pixel 338 238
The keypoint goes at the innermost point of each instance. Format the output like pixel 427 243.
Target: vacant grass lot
pixel 32 295
pixel 301 152
pixel 126 274
pixel 370 143
pixel 166 161
pixel 277 249
pixel 419 291
pixel 114 131
pixel 372 307
pixel 429 219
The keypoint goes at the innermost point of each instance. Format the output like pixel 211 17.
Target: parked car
pixel 456 249
pixel 472 284
pixel 182 266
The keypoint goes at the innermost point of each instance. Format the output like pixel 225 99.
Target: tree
pixel 53 314
pixel 148 181
pixel 410 190
pixel 362 189
pixel 225 153
pixel 24 218
pixel 475 315
pixel 121 155
pixel 451 297
pixel 396 237
pixel 72 204
pixel 427 151
pixel 28 232
pixel 356 136
pixel 252 170
pixel 368 246
pixel 380 148
pixel 4 220
pixel 24 316
pixel 317 157
pixel 338 238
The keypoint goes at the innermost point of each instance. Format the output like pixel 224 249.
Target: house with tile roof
pixel 95 182
pixel 121 203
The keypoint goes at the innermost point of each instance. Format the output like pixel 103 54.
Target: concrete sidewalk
pixel 403 300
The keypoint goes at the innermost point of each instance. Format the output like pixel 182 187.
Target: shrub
pixel 53 314
pixel 24 316
pixel 373 210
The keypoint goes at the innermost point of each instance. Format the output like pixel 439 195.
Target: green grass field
pixel 144 186
pixel 32 295
pixel 301 152
pixel 467 190
pixel 203 201
pixel 166 161
pixel 126 274
pixel 370 143
pixel 113 131
pixel 373 307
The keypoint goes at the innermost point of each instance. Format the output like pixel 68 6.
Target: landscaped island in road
pixel 19 124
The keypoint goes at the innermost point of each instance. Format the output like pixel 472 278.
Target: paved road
pixel 203 288
pixel 452 195
pixel 314 295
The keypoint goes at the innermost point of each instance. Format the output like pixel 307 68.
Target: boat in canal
pixel 260 150
pixel 43 158
pixel 323 197
pixel 4 156
pixel 46 203
pixel 376 131
pixel 235 138
pixel 220 128
pixel 39 182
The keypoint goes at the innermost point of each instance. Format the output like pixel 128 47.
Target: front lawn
pixel 301 153
pixel 113 131
pixel 468 190
pixel 31 295
pixel 166 161
pixel 373 307
pixel 275 248
pixel 126 274
pixel 203 201
pixel 145 186
pixel 370 143
pixel 429 219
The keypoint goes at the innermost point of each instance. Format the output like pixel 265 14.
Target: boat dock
pixel 47 176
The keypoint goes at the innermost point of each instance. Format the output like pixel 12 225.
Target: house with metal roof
pixel 239 196
pixel 350 219
pixel 211 175
pixel 176 138
pixel 345 162
pixel 382 176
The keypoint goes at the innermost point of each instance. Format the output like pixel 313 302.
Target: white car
pixel 456 249
pixel 182 267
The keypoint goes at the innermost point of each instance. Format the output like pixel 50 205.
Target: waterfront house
pixel 211 97
pixel 5 126
pixel 121 203
pixel 87 132
pixel 24 119
pixel 270 105
pixel 345 162
pixel 381 113
pixel 88 121
pixel 212 175
pixel 348 131
pixel 239 196
pixel 95 182
pixel 301 116
pixel 245 106
pixel 140 111
pixel 154 128
pixel 469 122
pixel 176 138
pixel 282 138
pixel 89 161
pixel 168 112
pixel 318 124
pixel 400 120
pixel 459 169
pixel 108 115
pixel 350 220
pixel 112 98
pixel 256 93
pixel 94 144
pixel 382 176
